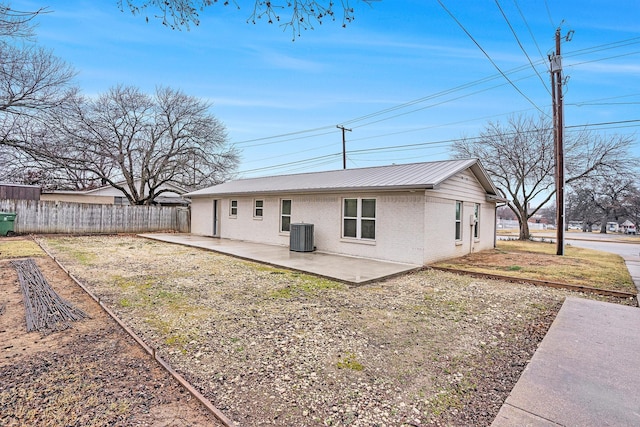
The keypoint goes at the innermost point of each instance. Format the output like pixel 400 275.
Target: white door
pixel 216 218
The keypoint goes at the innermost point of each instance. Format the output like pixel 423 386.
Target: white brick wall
pixel 412 227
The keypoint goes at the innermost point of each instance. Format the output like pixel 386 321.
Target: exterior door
pixel 216 218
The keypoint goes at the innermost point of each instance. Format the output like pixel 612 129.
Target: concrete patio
pixel 351 270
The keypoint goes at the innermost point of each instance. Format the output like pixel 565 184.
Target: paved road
pixel 630 252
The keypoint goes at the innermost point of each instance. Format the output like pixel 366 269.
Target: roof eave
pixel 318 190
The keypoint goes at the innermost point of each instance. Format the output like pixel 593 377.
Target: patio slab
pixel 351 270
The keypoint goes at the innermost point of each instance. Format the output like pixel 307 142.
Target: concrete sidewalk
pixel 586 371
pixel 351 270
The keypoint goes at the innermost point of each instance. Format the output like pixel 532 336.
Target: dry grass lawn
pixel 537 260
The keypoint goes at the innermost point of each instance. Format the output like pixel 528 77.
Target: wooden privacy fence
pixel 37 216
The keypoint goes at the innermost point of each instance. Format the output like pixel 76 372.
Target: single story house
pixel 108 195
pixel 412 213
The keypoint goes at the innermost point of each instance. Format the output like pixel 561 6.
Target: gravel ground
pixel 273 347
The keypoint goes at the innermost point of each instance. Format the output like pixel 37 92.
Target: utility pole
pixel 344 145
pixel 558 136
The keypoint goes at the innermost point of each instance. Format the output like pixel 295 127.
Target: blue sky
pixel 404 76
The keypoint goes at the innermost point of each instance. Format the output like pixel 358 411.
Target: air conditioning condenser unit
pixel 301 237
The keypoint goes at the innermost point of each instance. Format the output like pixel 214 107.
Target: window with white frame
pixel 233 208
pixel 458 220
pixel 285 215
pixel 359 218
pixel 476 226
pixel 258 208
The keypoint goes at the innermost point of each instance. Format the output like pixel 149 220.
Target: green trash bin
pixel 6 223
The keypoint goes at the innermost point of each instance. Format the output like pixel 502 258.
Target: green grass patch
pixel 304 285
pixel 170 313
pixel 20 249
pixel 68 246
pixel 350 362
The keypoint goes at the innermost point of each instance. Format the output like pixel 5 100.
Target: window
pixel 258 206
pixel 476 226
pixel 458 220
pixel 233 208
pixel 285 215
pixel 359 218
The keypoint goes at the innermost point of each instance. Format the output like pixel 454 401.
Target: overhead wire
pixel 489 58
pixel 297 162
pixel 283 135
pixel 513 31
pixel 329 158
pixel 535 42
pixel 326 159
pixel 607 46
pixel 546 5
pixel 602 59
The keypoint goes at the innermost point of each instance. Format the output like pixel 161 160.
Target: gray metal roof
pixel 393 177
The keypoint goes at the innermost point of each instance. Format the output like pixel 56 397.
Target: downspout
pixel 472 223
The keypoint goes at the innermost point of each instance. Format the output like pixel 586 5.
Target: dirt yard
pixel 90 375
pixel 269 346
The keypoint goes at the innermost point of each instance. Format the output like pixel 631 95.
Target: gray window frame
pixel 359 218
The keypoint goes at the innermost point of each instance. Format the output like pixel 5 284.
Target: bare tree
pixel 31 78
pixel 632 205
pixel 608 195
pixel 16 23
pixel 32 81
pixel 520 159
pixel 580 207
pixel 136 143
pixel 296 15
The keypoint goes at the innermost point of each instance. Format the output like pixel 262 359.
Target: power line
pixel 330 158
pixel 298 163
pixel 283 135
pixel 280 156
pixel 278 138
pixel 530 32
pixel 603 59
pixel 285 140
pixel 606 46
pixel 522 47
pixel 489 58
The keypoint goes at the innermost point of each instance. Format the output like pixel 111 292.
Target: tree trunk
pixel 524 230
pixel 603 224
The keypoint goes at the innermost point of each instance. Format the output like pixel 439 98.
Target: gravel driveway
pixel 273 347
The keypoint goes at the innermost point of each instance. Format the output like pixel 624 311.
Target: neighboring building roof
pixel 19 191
pixel 172 197
pixel 393 177
pixel 108 190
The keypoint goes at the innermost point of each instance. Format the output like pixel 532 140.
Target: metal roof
pixel 393 177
